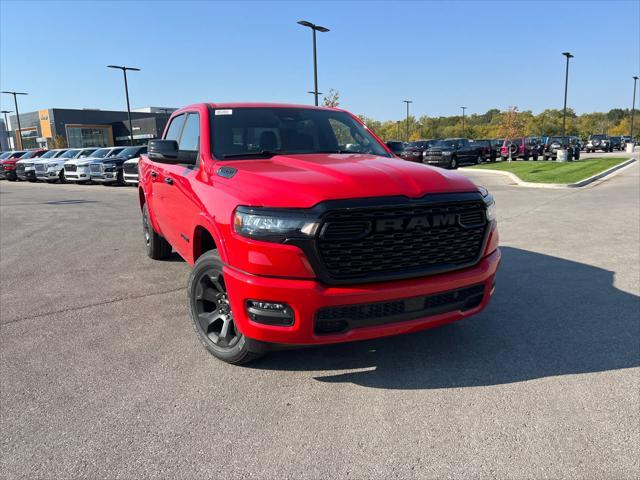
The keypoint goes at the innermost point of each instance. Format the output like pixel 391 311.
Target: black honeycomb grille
pixel 350 247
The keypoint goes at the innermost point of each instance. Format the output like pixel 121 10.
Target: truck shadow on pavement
pixel 549 317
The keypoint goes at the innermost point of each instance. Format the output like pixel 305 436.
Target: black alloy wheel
pixel 211 313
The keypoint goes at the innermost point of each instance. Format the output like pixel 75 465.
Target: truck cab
pixel 304 229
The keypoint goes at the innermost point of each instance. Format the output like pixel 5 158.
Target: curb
pixel 610 172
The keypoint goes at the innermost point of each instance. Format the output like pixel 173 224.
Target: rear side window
pixel 174 128
pixel 190 138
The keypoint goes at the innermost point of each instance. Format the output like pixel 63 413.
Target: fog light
pixel 270 313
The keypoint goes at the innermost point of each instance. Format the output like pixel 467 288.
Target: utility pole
pixel 126 92
pixel 407 126
pixel 566 83
pixel 314 28
pixel 18 133
pixel 463 110
pixel 633 107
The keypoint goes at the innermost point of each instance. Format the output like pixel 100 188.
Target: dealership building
pixel 87 127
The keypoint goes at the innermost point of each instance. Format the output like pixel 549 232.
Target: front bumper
pixel 439 161
pixel 307 297
pixel 27 175
pixel 10 174
pixel 80 175
pixel 48 175
pixel 105 177
pixel 130 178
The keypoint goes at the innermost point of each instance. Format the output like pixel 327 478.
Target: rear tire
pixel 211 315
pixel 156 246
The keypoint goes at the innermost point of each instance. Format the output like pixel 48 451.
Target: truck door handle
pixel 168 181
pixel 153 174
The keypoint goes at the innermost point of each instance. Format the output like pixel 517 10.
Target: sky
pixel 441 55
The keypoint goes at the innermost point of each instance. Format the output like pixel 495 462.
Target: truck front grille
pixel 70 167
pixel 130 168
pixel 358 244
pixel 95 168
pixel 40 167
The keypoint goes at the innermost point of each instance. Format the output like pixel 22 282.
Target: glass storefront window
pixel 89 136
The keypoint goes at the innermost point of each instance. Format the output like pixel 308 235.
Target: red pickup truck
pixel 304 229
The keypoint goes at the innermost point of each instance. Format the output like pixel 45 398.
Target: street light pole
pixel 18 132
pixel 314 28
pixel 566 83
pixel 6 124
pixel 126 91
pixel 407 122
pixel 463 109
pixel 633 107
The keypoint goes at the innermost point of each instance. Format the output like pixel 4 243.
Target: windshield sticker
pixel 224 112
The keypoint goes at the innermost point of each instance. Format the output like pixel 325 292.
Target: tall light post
pixel 633 107
pixel 314 28
pixel 463 110
pixel 126 91
pixel 18 132
pixel 407 121
pixel 566 83
pixel 6 124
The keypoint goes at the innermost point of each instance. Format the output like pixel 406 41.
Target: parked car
pixel 496 146
pixel 616 143
pixel 556 143
pixel 9 165
pixel 110 170
pixel 130 170
pixel 414 151
pixel 486 148
pixel 598 142
pixel 624 139
pixel 293 241
pixel 25 169
pixel 394 145
pixel 52 169
pixel 522 147
pixel 77 169
pixel 452 152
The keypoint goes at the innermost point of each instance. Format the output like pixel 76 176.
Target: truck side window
pixel 175 127
pixel 190 138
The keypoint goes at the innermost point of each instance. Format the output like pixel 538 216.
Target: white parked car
pixel 130 169
pixel 77 169
pixel 52 169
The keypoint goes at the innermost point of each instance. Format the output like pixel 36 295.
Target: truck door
pixel 179 210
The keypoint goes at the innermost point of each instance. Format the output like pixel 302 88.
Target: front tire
pixel 453 164
pixel 211 314
pixel 155 245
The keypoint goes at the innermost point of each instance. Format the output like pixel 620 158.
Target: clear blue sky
pixel 439 54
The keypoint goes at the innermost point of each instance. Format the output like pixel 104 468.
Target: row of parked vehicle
pixel 452 152
pixel 109 166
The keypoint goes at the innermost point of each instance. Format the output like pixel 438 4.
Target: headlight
pixel 489 202
pixel 272 225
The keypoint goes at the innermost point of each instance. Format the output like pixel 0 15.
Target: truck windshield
pixel 69 154
pixel 598 137
pixel 261 132
pixel 101 153
pixel 443 144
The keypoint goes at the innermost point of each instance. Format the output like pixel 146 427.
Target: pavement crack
pixel 97 304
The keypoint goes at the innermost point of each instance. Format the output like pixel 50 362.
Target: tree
pixel 332 99
pixel 58 142
pixel 512 125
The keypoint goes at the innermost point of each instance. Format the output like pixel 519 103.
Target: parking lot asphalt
pixel 102 376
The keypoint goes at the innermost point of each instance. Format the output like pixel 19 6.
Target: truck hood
pixel 305 180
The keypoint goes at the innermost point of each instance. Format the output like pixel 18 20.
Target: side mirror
pixel 166 151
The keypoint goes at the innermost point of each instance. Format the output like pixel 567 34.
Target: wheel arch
pixel 205 237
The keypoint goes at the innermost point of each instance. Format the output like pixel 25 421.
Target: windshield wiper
pixel 261 153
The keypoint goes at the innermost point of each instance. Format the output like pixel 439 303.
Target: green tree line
pixel 491 124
